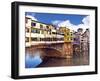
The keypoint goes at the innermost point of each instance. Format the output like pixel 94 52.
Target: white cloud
pixel 56 22
pixel 86 20
pixel 65 23
pixel 68 24
pixel 32 17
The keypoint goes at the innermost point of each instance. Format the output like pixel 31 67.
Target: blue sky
pixel 73 21
pixel 48 17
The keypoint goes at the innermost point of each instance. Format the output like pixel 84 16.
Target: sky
pixel 73 21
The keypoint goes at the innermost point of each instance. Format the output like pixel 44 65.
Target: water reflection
pixel 34 59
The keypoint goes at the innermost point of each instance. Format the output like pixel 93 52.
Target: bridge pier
pixel 68 50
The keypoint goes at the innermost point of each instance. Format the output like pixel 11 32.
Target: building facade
pixel 74 42
pixel 81 42
pixel 38 33
pixel 85 41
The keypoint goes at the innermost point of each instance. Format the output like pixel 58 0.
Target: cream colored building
pixel 38 33
pixel 28 31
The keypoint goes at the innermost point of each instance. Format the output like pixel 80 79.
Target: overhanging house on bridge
pixel 38 33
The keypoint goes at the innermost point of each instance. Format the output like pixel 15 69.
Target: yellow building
pixel 68 39
pixel 68 34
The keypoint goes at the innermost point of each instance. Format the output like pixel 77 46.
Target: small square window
pixel 33 24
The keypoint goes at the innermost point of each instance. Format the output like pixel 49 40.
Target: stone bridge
pixel 59 50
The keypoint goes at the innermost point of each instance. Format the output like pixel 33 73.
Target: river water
pixel 34 60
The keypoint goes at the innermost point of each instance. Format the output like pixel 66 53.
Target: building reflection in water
pixel 34 58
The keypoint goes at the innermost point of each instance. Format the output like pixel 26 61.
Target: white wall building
pixel 39 33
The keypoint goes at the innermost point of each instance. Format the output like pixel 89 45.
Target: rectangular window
pixel 71 33
pixel 26 29
pixel 67 33
pixel 71 38
pixel 33 24
pixel 26 20
pixel 26 39
pixel 34 39
pixel 41 26
pixel 47 27
pixel 53 32
pixel 37 31
pixel 33 30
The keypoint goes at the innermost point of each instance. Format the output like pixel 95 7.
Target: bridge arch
pixel 51 52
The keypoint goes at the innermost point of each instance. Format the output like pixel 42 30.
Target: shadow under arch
pixel 50 52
